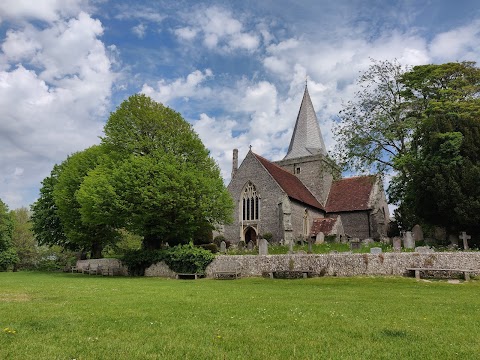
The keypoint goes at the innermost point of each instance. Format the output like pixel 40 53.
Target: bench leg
pixel 417 274
pixel 467 276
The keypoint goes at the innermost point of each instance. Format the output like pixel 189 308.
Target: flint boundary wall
pixel 349 264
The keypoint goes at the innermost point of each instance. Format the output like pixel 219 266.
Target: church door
pixel 251 235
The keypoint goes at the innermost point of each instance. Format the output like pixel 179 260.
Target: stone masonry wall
pixel 356 223
pixel 298 212
pixel 349 264
pixel 270 196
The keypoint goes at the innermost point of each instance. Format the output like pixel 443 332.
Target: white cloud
pixel 59 78
pixel 139 12
pixel 140 30
pixel 44 10
pixel 219 30
pixel 188 87
pixel 459 44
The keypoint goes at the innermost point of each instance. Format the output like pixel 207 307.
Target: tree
pixel 8 255
pixel 376 127
pixel 443 187
pixel 80 235
pixel 423 125
pixel 46 223
pixel 23 240
pixel 159 182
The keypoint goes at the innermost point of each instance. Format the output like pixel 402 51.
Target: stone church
pixel 303 195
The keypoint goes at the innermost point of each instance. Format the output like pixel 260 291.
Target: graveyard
pixel 74 316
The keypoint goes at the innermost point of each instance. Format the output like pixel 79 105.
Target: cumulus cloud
pixel 45 10
pixel 219 30
pixel 186 88
pixel 140 30
pixel 59 78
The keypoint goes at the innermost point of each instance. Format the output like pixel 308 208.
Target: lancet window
pixel 250 203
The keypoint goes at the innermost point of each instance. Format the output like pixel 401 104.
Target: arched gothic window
pixel 250 203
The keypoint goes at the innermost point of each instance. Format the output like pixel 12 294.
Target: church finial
pixel 306 80
pixel 250 147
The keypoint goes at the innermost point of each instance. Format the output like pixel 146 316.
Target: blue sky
pixel 234 69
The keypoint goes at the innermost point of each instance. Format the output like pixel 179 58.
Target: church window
pixel 250 203
pixel 297 170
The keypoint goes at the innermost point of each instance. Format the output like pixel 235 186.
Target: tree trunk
pixel 151 242
pixel 96 251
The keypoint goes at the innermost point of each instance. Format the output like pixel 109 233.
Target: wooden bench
pixel 189 276
pixel 228 270
pixel 466 272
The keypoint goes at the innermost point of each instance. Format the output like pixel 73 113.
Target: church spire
pixel 307 138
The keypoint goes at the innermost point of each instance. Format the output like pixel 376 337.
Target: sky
pixel 235 70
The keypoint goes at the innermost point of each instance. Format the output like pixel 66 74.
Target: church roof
pixel 351 194
pixel 324 225
pixel 290 183
pixel 307 138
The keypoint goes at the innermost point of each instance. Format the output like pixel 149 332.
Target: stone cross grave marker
pixel 223 247
pixel 290 247
pixel 408 242
pixel 263 247
pixel 463 236
pixel 375 250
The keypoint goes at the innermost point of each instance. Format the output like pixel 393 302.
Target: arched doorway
pixel 250 235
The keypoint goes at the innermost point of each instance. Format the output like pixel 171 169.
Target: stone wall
pixel 106 263
pixel 349 264
pixel 356 224
pixel 298 212
pixel 270 197
pixel 160 269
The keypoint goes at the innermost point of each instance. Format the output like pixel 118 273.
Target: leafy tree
pixel 8 255
pixel 159 182
pixel 23 239
pixel 80 235
pixel 46 223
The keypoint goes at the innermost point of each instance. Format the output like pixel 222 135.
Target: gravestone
pixel 241 245
pixel 408 242
pixel 417 233
pixel 320 239
pixel 375 250
pixel 397 243
pixel 368 241
pixel 453 239
pixel 290 247
pixel 355 244
pixel 223 247
pixel 424 250
pixel 250 246
pixel 463 236
pixel 310 241
pixel 263 247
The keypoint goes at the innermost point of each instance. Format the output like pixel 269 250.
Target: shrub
pixel 268 236
pixel 8 259
pixel 180 258
pixel 213 248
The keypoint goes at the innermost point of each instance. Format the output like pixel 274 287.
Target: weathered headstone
pixel 368 241
pixel 439 233
pixel 290 247
pixel 453 239
pixel 310 250
pixel 320 239
pixel 417 233
pixel 375 250
pixel 408 242
pixel 223 247
pixel 250 246
pixel 355 244
pixel 397 243
pixel 463 236
pixel 424 250
pixel 263 247
pixel 241 245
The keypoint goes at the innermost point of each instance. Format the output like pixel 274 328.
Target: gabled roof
pixel 307 138
pixel 324 225
pixel 290 183
pixel 350 194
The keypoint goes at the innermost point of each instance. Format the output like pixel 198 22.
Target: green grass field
pixel 74 316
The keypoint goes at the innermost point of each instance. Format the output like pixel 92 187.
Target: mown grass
pixel 74 316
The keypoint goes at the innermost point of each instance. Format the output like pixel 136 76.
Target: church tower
pixel 307 156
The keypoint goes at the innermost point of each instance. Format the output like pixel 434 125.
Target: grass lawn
pixel 74 316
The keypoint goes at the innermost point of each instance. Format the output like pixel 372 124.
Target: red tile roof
pixel 324 225
pixel 290 183
pixel 350 194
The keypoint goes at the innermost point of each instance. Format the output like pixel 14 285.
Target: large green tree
pixel 421 123
pixel 80 235
pixel 8 255
pixel 159 182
